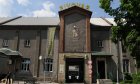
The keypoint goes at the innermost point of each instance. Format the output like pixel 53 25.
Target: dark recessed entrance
pixel 74 70
pixel 101 69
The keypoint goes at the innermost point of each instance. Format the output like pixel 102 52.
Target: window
pixel 5 43
pixel 27 43
pixel 126 65
pixel 48 64
pixel 25 64
pixel 99 43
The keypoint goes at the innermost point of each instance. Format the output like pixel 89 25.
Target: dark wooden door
pixel 101 69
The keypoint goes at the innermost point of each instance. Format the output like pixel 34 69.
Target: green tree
pixel 127 18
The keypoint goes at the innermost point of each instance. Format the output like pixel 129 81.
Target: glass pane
pixel 74 68
pixel 125 65
pixel 21 66
pixel 51 67
pixel 27 66
pixel 48 64
pixel 48 67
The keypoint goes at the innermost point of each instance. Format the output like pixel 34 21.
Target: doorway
pixel 101 69
pixel 74 70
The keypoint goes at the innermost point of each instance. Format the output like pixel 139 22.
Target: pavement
pixel 22 82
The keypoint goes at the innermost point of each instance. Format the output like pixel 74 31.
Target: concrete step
pixel 21 82
pixel 74 83
pixel 104 81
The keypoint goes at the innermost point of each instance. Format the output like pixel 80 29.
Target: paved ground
pixel 47 83
pixel 20 82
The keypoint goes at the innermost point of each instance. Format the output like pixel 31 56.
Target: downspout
pixel 39 53
pixel 17 32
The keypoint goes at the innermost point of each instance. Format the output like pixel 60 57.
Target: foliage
pixel 127 79
pixel 110 76
pixel 68 5
pixel 127 82
pixel 127 76
pixel 127 18
pixel 87 7
pixel 51 33
pixel 135 79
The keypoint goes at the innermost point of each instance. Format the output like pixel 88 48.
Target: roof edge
pixel 10 20
pixel 107 21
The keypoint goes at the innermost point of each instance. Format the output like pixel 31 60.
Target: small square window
pixel 27 43
pixel 5 43
pixel 100 43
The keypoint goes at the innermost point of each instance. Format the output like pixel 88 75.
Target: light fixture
pixel 86 56
pixel 40 57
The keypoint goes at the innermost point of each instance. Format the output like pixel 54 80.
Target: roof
pixel 3 19
pixel 9 52
pixel 102 21
pixel 52 21
pixel 101 53
pixel 34 21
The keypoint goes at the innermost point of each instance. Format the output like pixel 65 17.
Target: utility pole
pixel 117 70
pixel 119 59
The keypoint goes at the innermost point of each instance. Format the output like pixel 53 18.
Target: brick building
pixel 71 48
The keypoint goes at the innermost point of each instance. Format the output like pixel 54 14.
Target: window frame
pixel 126 66
pixel 27 43
pixel 5 43
pixel 25 64
pixel 48 65
pixel 100 43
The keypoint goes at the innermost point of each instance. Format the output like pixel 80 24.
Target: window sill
pixel 27 46
pixel 48 71
pixel 100 46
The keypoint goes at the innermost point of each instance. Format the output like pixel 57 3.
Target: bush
pixel 127 76
pixel 136 78
pixel 127 82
